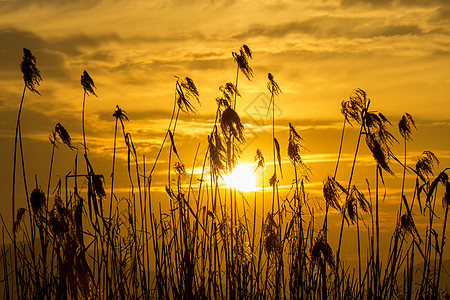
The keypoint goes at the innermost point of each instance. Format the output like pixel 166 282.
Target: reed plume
pixel 406 125
pixel 186 90
pixel 425 165
pixel 64 135
pixel 88 84
pixel 294 147
pixel 241 58
pixel 38 201
pixel 31 73
pixel 19 219
pixel 321 251
pixel 332 191
pixel 259 159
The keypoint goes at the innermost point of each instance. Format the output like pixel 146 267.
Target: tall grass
pixel 214 242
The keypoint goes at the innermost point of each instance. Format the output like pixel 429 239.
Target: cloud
pixel 391 3
pixel 328 27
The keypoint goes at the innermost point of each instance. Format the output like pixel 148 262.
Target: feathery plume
pixel 120 114
pixel 216 153
pixel 272 243
pixel 231 125
pixel 38 201
pixel 272 86
pixel 19 219
pixel 229 91
pixel 379 139
pixel 294 147
pixel 273 180
pixel 332 191
pixel 321 250
pixel 243 252
pixel 407 226
pixel 406 125
pixel 353 108
pixel 356 198
pixel 87 83
pixel 97 182
pixel 64 135
pixel 31 73
pixel 179 169
pixel 259 159
pixel 241 58
pixel 425 165
pixel 186 90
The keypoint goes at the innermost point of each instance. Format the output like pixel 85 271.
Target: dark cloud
pixel 14 5
pixel 12 43
pixel 324 27
pixel 441 15
pixel 36 122
pixel 49 54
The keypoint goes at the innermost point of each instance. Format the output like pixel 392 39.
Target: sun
pixel 241 178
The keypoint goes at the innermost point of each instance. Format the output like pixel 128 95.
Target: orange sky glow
pixel 398 51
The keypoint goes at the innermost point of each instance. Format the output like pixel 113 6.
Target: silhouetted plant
pixel 209 246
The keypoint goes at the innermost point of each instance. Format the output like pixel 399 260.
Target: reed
pixel 214 242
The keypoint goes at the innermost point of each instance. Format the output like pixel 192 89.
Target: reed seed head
pixel 31 73
pixel 38 201
pixel 243 252
pixel 272 86
pixel 273 180
pixel 216 153
pixel 321 251
pixel 87 83
pixel 179 169
pixel 231 125
pixel 97 181
pixel 229 91
pixel 353 108
pixel 294 147
pixel 406 125
pixel 380 151
pixel 19 219
pixel 186 90
pixel 259 159
pixel 407 224
pixel 272 243
pixel 425 165
pixel 64 135
pixel 332 191
pixel 224 227
pixel 120 114
pixel 241 58
pixel 379 139
pixel 356 200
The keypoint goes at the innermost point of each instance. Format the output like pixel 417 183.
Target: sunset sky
pixel 319 51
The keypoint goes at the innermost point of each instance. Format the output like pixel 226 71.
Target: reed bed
pixel 78 241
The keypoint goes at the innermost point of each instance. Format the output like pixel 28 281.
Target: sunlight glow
pixel 241 178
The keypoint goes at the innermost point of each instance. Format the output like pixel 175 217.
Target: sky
pixel 319 52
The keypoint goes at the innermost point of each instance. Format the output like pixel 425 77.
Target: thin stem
pixel 403 181
pixel 82 124
pixel 340 149
pixel 14 190
pixel 377 231
pixel 348 192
